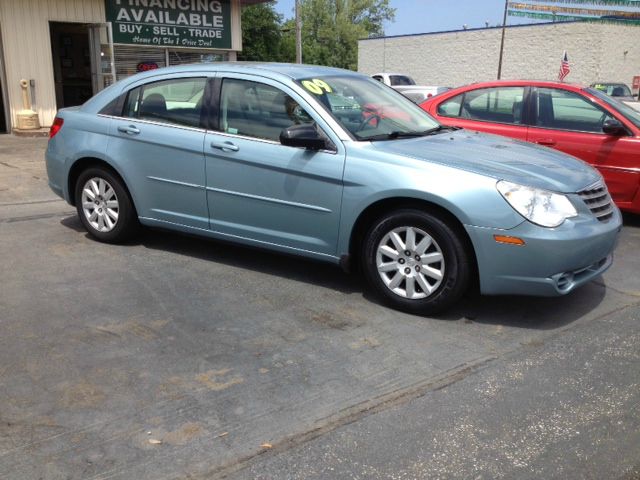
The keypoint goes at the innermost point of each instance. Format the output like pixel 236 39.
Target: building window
pixel 131 59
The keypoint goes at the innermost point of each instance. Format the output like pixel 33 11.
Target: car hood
pixel 498 157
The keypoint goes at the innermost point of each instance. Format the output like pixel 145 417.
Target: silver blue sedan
pixel 335 166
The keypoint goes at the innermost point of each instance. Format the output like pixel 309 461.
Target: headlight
pixel 542 207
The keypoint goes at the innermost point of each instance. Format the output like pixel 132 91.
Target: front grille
pixel 597 198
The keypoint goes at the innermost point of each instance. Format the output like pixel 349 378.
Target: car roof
pixel 283 72
pixel 574 87
pixel 525 83
pixel 291 70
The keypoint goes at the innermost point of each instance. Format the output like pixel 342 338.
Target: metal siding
pixel 27 46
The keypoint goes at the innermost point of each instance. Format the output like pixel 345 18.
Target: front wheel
pixel 415 261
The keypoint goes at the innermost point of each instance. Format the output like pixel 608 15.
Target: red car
pixel 581 121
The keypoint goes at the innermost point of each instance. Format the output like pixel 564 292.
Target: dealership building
pixel 597 52
pixel 58 53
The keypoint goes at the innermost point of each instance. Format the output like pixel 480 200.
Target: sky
pixel 421 16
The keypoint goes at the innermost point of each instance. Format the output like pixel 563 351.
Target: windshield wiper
pixel 395 134
pixel 440 128
pixel 399 134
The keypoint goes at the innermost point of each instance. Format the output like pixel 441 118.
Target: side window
pixel 177 102
pixel 499 105
pixel 132 103
pixel 257 110
pixel 562 110
pixel 112 107
pixel 451 108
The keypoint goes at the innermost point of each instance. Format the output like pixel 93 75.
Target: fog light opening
pixel 564 281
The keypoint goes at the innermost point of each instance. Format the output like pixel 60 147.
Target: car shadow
pixel 539 313
pixel 630 219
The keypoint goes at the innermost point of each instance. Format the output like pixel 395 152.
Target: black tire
pixel 415 271
pixel 125 225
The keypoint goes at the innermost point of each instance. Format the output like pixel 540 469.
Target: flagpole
pixel 504 26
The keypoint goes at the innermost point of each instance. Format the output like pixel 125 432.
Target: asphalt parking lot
pixel 175 357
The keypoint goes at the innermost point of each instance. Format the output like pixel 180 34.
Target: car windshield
pixel 625 110
pixel 368 109
pixel 613 89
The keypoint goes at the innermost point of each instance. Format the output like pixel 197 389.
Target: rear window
pixel 401 80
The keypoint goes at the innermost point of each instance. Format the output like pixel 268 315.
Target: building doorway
pixel 4 103
pixel 82 61
pixel 3 117
pixel 71 63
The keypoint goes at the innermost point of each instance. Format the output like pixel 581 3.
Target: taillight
pixel 55 128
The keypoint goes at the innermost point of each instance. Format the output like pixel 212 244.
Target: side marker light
pixel 509 240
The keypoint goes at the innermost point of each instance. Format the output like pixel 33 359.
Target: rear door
pixel 572 123
pixel 497 110
pixel 158 142
pixel 261 190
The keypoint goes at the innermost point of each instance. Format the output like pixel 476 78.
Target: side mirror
pixel 613 127
pixel 304 136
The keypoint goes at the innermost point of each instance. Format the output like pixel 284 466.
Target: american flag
pixel 565 69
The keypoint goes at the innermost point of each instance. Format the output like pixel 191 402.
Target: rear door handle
pixel 131 129
pixel 549 142
pixel 225 146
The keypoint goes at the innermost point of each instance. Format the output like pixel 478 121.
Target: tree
pixel 331 29
pixel 261 33
pixel 288 41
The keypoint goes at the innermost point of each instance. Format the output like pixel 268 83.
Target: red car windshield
pixel 625 110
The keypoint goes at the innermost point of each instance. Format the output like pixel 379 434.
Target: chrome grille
pixel 597 198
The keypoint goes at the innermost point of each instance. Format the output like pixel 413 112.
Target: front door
pixel 572 124
pixel 261 190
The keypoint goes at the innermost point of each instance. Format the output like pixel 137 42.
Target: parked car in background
pixel 394 79
pixel 418 94
pixel 407 86
pixel 331 165
pixel 581 121
pixel 619 91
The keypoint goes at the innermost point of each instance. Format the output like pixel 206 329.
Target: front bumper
pixel 553 261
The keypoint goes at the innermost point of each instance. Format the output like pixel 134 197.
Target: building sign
pixel 171 23
pixel 146 66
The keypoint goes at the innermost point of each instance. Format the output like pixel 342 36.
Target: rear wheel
pixel 104 206
pixel 415 261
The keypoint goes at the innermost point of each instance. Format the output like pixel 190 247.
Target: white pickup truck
pixel 407 86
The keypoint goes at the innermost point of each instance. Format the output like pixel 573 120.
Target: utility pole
pixel 504 26
pixel 298 33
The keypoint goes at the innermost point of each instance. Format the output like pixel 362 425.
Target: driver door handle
pixel 225 146
pixel 130 129
pixel 548 142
